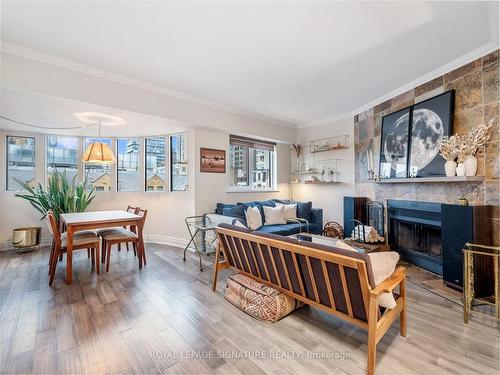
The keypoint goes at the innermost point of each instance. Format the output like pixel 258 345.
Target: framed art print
pixel 432 119
pixel 394 144
pixel 212 161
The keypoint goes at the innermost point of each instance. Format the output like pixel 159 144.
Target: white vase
pixel 470 164
pixel 460 169
pixel 450 168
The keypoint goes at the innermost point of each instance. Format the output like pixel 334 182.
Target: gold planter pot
pixel 26 239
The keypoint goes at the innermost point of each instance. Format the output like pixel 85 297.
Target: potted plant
pixel 61 196
pixel 477 137
pixel 448 149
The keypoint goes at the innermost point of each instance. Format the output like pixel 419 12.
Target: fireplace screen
pixel 423 239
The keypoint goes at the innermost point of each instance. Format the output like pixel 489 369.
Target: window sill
pixel 246 190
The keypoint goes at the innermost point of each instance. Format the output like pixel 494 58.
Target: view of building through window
pixel 178 162
pixel 98 176
pixel 20 161
pixel 250 166
pixel 155 164
pixel 127 167
pixel 62 155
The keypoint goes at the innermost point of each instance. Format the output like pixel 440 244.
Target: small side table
pixel 470 251
pixel 195 225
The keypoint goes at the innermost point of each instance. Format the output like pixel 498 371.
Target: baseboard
pixel 166 240
pixel 162 240
pixel 7 245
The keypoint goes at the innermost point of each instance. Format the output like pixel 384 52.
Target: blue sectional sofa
pixel 314 216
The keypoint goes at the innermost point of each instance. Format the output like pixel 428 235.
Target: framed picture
pixel 394 143
pixel 431 119
pixel 212 161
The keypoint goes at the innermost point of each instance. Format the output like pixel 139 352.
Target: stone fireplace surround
pixel 476 86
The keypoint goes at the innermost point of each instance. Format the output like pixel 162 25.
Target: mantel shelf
pixel 429 180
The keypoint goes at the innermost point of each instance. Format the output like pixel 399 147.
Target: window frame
pixel 139 154
pixel 233 188
pixel 5 141
pixel 112 170
pixel 170 164
pixel 145 164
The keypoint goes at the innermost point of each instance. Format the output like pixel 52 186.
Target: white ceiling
pixel 297 62
pixel 56 113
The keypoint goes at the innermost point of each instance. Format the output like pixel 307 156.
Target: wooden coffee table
pixel 329 241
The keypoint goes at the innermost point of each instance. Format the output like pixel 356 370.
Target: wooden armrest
pixel 390 283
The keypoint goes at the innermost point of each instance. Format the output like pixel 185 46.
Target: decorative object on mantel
pixel 463 201
pixel 475 138
pixel 448 149
pixel 411 137
pixel 394 144
pixel 431 120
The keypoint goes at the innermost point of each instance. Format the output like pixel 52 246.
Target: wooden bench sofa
pixel 342 281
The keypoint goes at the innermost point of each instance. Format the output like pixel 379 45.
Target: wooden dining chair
pixel 114 236
pixel 132 210
pixel 81 240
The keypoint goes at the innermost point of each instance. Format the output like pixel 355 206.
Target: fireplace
pixel 414 230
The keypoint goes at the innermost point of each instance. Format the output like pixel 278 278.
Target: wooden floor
pixel 165 319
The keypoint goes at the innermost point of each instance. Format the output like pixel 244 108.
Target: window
pixel 98 176
pixel 251 163
pixel 127 164
pixel 178 162
pixel 20 161
pixel 155 164
pixel 62 155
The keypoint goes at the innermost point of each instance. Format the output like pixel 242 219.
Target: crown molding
pixel 60 62
pixel 454 64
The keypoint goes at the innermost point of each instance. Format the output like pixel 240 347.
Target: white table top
pixel 98 217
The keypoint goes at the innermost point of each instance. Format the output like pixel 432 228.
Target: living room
pixel 258 190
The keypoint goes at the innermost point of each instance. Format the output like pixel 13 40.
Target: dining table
pixel 92 220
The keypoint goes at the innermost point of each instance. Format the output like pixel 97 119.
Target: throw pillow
pixel 238 223
pixel 282 201
pixel 274 215
pixel 342 245
pixel 383 265
pixel 254 218
pixel 304 210
pixel 235 211
pixel 220 207
pixel 290 210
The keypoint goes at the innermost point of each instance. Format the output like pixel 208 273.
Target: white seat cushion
pixel 115 234
pixel 80 238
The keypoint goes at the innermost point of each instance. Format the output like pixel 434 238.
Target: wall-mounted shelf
pixel 321 182
pixel 336 142
pixel 429 180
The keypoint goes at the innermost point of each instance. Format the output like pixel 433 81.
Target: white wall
pixel 28 74
pixel 213 187
pixel 328 197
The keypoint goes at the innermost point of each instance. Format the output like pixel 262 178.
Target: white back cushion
pixel 383 265
pixel 274 215
pixel 290 210
pixel 254 219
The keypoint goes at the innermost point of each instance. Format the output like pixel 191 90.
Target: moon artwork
pixel 431 121
pixel 394 144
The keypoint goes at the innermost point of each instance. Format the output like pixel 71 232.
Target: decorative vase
pixel 470 164
pixel 450 168
pixel 460 169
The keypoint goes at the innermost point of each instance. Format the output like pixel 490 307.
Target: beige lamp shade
pixel 99 153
